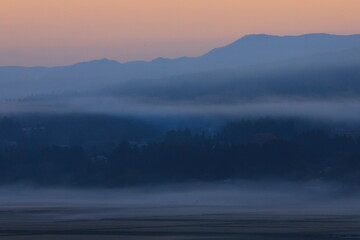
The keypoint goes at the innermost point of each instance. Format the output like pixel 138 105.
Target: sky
pixel 62 32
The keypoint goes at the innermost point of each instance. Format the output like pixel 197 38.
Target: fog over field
pixel 229 196
pixel 316 109
pixel 227 210
pixel 259 139
pixel 179 120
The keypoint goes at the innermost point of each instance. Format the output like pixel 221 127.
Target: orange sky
pixel 57 32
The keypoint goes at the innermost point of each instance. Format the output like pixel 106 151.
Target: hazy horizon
pixel 180 56
pixel 179 119
pixel 57 33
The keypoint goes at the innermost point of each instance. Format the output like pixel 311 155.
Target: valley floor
pixel 55 223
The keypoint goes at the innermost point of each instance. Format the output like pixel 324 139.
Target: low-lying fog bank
pixel 230 197
pixel 343 109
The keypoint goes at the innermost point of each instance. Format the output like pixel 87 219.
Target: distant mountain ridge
pixel 250 50
pixel 305 45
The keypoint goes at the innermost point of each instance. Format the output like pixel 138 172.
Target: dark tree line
pixel 255 150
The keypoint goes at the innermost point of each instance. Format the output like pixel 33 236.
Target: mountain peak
pixel 256 36
pixel 103 61
pixel 160 59
pixel 252 37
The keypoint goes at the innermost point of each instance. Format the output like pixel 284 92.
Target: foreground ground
pixel 218 211
pixel 51 224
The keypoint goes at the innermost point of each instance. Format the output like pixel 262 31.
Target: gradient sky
pixel 60 32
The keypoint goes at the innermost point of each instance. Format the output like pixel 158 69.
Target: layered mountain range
pixel 253 65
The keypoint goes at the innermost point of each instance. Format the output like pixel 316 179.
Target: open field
pixel 205 211
pixel 28 224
